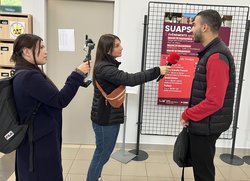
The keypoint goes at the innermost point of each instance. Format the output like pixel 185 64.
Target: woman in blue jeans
pixel 106 119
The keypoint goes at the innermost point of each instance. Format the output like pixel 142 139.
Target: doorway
pixel 85 17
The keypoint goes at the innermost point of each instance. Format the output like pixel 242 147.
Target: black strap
pixel 30 126
pixel 30 135
pixel 182 175
pixel 14 72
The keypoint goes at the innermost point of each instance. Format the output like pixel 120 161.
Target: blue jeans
pixel 105 142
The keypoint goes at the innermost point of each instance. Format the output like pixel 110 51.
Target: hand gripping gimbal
pixel 89 45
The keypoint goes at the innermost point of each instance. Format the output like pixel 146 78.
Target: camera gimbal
pixel 90 45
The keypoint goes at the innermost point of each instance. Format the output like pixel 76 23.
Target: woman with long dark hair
pixel 33 87
pixel 106 119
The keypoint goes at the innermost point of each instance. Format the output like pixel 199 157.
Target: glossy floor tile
pixel 159 166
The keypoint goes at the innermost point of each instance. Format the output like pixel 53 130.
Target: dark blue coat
pixel 31 87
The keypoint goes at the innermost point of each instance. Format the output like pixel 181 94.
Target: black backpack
pixel 12 132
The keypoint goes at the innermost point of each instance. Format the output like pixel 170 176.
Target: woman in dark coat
pixel 31 87
pixel 106 120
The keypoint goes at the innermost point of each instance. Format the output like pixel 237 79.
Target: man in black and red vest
pixel 210 109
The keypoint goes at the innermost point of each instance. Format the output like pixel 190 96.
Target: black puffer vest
pixel 221 120
pixel 109 77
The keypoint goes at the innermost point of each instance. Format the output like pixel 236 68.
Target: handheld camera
pixel 89 46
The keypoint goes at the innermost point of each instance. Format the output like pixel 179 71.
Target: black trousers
pixel 202 151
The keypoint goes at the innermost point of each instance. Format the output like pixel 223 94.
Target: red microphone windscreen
pixel 173 58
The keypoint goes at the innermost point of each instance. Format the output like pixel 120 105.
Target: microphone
pixel 172 59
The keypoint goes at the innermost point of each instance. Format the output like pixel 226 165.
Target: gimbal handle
pixel 91 45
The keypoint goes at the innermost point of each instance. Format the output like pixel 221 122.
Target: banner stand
pixel 122 155
pixel 246 159
pixel 231 158
pixel 140 154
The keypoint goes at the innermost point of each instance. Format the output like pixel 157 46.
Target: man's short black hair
pixel 212 18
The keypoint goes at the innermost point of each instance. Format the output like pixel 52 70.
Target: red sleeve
pixel 217 81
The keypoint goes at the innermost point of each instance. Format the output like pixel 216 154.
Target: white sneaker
pixel 100 179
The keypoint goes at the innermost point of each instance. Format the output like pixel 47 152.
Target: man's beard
pixel 197 38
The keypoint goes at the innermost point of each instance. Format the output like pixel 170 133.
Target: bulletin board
pixel 163 119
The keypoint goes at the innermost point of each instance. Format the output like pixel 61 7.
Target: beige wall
pixel 85 17
pixel 130 31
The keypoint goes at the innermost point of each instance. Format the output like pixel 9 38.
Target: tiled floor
pixel 158 167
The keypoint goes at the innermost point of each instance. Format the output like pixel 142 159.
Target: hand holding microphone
pixel 172 59
pixel 164 70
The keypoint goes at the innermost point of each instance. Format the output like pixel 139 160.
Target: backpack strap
pixel 30 126
pixel 182 174
pixel 30 135
pixel 14 72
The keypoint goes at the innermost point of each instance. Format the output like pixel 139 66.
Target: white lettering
pixel 9 135
pixel 178 29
